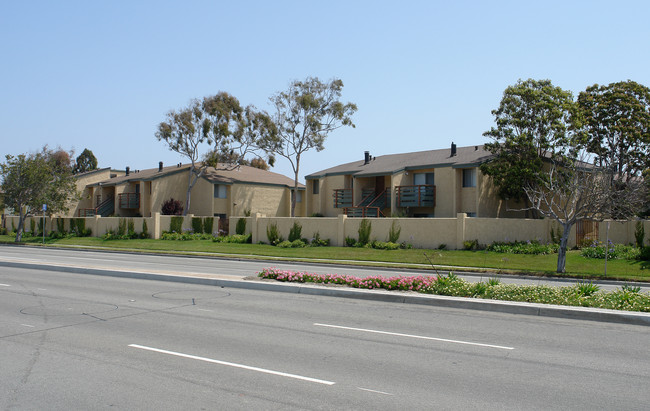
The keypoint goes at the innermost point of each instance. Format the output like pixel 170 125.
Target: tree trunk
pixel 189 192
pixel 561 253
pixel 21 226
pixel 294 197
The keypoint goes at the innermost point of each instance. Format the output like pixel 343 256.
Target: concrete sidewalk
pixel 543 310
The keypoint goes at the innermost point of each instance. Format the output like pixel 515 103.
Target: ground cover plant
pixel 580 294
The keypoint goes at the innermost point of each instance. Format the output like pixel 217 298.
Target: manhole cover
pixel 69 309
pixel 189 295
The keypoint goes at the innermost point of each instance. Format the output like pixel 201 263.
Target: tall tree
pixel 185 131
pixel 85 162
pixel 304 116
pixel 534 121
pixel 574 190
pixel 29 181
pixel 617 122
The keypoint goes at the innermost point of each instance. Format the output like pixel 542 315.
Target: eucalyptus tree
pixel 304 116
pixel 86 161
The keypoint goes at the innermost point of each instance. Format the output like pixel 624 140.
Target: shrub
pixel 394 232
pixel 78 227
pixel 614 251
pixel 319 242
pixel 240 228
pixel 236 239
pixel 379 245
pixel 208 224
pixel 523 247
pixel 442 246
pixel 130 232
pixel 295 232
pixel 470 245
pixel 60 225
pixel 273 234
pixel 197 225
pixel 145 230
pixel 317 215
pixel 172 207
pixel 176 224
pixel 40 227
pixel 32 226
pixel 365 228
pixel 586 289
pixel 639 234
pixel 350 242
pixel 644 254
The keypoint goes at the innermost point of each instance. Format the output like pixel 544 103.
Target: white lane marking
pixel 375 391
pixel 230 364
pixel 5 285
pixel 27 325
pixel 414 336
pixel 201 309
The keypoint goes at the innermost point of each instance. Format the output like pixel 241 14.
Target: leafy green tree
pixel 218 122
pixel 617 124
pixel 534 122
pixel 304 116
pixel 85 162
pixel 29 181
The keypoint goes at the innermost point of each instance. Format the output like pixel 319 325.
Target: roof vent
pixel 366 157
pixel 160 166
pixel 128 170
pixel 475 148
pixel 453 149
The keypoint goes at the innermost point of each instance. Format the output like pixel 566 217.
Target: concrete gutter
pixel 511 307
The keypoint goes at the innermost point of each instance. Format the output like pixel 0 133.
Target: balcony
pixel 416 196
pixel 129 201
pixel 342 197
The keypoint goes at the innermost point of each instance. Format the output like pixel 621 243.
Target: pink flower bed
pixel 414 283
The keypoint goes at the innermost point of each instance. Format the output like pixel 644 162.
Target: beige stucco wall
pixel 86 194
pixel 270 200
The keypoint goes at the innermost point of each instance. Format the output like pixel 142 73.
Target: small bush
pixel 523 247
pixel 60 225
pixel 145 230
pixel 240 228
pixel 295 233
pixel 319 242
pixel 614 251
pixel 379 245
pixel 639 234
pixel 172 207
pixel 176 224
pixel 365 228
pixel 442 246
pixel 470 245
pixel 32 226
pixel 235 239
pixel 644 254
pixel 394 232
pixel 121 227
pixel 130 231
pixel 208 224
pixel 197 225
pixel 586 289
pixel 273 234
pixel 350 242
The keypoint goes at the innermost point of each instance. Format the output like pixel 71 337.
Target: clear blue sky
pixel 102 74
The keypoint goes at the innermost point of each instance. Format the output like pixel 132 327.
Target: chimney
pixel 366 158
pixel 453 149
pixel 128 170
pixel 160 166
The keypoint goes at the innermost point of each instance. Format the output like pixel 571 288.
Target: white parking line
pixel 5 285
pixel 230 364
pixel 27 325
pixel 375 391
pixel 414 336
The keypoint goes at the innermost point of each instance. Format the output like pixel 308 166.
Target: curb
pixel 510 307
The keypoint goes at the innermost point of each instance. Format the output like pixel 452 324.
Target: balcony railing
pixel 416 196
pixel 363 212
pixel 342 197
pixel 129 200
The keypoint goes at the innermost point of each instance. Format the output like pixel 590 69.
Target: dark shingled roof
pixel 223 174
pixel 470 156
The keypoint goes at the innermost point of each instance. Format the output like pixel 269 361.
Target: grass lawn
pixel 576 266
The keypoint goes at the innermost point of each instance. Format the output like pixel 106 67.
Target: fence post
pixel 460 230
pixel 96 226
pixel 254 231
pixel 340 230
pixel 156 226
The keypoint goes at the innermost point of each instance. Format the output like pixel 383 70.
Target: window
pixel 469 177
pixel 315 186
pixel 420 179
pixel 471 214
pixel 220 191
pixel 298 198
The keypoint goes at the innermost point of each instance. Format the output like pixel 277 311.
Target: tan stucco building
pixel 224 191
pixel 434 183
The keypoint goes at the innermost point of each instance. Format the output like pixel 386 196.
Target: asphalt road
pixel 233 267
pixel 72 341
